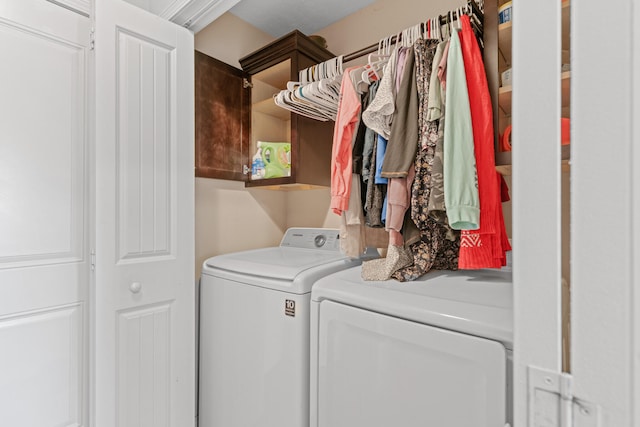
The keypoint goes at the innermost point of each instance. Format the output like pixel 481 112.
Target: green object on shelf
pixel 277 158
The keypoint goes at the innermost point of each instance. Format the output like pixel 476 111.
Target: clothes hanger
pixel 434 28
pixel 375 64
pixel 416 33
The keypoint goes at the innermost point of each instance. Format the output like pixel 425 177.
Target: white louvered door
pixel 144 279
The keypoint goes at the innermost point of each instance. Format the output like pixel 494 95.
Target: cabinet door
pixel 44 215
pixel 223 105
pixel 144 313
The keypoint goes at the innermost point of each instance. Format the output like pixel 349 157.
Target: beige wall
pixel 229 217
pixel 381 19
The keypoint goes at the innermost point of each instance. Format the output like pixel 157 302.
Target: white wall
pixel 228 216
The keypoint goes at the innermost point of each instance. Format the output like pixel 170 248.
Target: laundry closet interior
pixel 306 204
pixel 272 212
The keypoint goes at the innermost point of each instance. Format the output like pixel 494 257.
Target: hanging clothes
pixel 483 247
pixel 378 115
pixel 434 111
pixel 427 131
pixel 403 140
pixel 401 150
pixel 438 249
pixel 460 178
pixel 369 135
pixel 341 152
pixel 438 245
pixel 376 194
pixel 414 160
pixel 355 237
pixel 436 108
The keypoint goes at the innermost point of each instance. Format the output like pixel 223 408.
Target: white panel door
pixel 144 280
pixel 44 268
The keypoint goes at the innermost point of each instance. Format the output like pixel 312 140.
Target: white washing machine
pixel 254 330
pixel 434 352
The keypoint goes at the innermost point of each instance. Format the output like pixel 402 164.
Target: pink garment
pixel 442 67
pixel 401 62
pixel 341 158
pixel 399 200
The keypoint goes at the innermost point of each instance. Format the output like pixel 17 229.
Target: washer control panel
pixel 312 238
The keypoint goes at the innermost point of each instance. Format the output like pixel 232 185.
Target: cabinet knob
pixel 135 287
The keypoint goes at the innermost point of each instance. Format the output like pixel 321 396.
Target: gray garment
pixel 435 205
pixel 375 195
pixel 403 141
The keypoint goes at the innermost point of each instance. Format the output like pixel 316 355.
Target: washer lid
pixel 281 263
pixel 476 302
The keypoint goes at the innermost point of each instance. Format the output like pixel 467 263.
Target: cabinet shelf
pixel 271 67
pixel 268 106
pixel 505 95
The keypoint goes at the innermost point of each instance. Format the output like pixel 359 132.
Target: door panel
pixel 44 207
pixel 143 352
pixel 144 283
pixel 42 169
pixel 44 349
pixel 144 160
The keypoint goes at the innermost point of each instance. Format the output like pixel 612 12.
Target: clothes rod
pixel 444 19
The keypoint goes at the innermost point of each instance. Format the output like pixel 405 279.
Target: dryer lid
pixel 475 302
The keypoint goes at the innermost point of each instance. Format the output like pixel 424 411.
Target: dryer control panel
pixel 312 238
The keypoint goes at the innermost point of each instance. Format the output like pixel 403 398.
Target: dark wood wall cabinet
pixel 223 116
pixel 235 110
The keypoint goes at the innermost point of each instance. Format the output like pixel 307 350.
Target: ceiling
pixel 279 17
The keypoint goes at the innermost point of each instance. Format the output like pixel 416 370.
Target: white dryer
pixel 434 352
pixel 254 330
